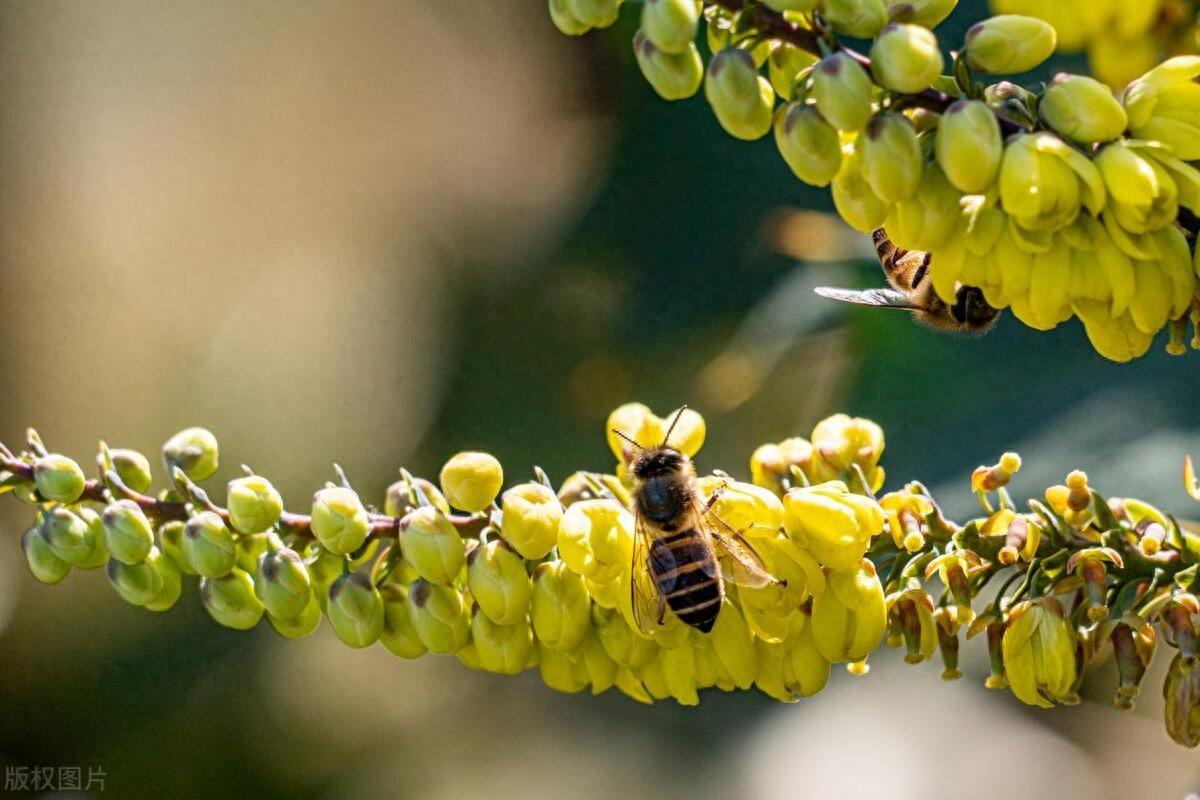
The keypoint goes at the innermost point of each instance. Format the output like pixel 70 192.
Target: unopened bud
pixel 532 514
pixel 675 76
pixel 194 451
pixel 339 520
pixel 399 635
pixel 136 583
pixel 861 19
pixel 432 544
pixel 45 565
pixel 928 13
pixel 498 582
pixel 439 616
pixel 1009 43
pixel 208 545
pixel 254 504
pixel 891 157
pixel 559 606
pixel 969 146
pixel 128 535
pixel 843 92
pixel 283 583
pixel 231 601
pixel 1082 109
pixel 471 480
pixel 741 99
pixel 58 478
pixel 808 143
pixel 355 610
pixel 671 24
pixel 906 58
pixel 132 468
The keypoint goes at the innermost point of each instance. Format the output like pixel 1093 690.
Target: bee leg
pixel 715 496
pixel 662 609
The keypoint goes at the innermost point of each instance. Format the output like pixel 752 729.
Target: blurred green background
pixel 382 232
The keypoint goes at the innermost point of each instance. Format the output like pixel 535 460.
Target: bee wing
pixel 740 565
pixel 644 595
pixel 877 298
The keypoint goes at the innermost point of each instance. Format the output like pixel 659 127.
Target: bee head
pixel 971 310
pixel 659 461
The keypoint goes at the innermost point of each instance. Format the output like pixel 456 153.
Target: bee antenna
pixel 674 422
pixel 627 438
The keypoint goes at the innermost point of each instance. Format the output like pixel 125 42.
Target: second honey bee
pixel 680 557
pixel 908 273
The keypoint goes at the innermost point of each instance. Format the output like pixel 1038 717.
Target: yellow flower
pixel 595 539
pixel 1181 710
pixel 1082 109
pixel 531 517
pixel 1164 106
pixel 560 608
pixel 498 582
pixel 648 429
pixel 1039 652
pixel 831 523
pixel 1043 182
pixel 505 649
pixel 928 220
pixel 911 610
pixel 744 507
pixel 849 618
pixel 771 465
pixel 841 442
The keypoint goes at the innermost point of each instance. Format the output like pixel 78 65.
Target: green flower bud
pixel 858 205
pixel 339 521
pixel 208 545
pixel 741 99
pixel 194 451
pixel 132 468
pixel 399 501
pixel 563 15
pixel 560 608
pixel 1009 43
pixel 324 568
pixel 1142 195
pixel 671 24
pixel 1181 709
pixel 231 600
pixel 170 541
pixel 140 583
pixel 254 504
pixel 439 616
pixel 843 91
pixel 928 13
pixel 1082 109
pixel 891 157
pixel 498 582
pixel 283 584
pixel 906 58
pixel 792 5
pixel 303 624
pixel 355 609
pixel 68 535
pixel 504 649
pixel 43 563
pixel 623 646
pixel 809 144
pixel 399 635
pixel 171 587
pixel 251 546
pixel 471 481
pixel 431 543
pixel 675 76
pixel 58 478
pixel 128 535
pixel 930 217
pixel 969 146
pixel 859 18
pixel 532 513
pixel 785 63
pixel 559 671
pixel 595 13
pixel 98 555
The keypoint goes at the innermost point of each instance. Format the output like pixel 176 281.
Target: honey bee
pixel 908 272
pixel 680 558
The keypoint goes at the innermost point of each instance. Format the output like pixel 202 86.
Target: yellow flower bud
pixel 504 649
pixel 861 19
pixel 671 24
pixel 1039 652
pixel 679 672
pixel 399 635
pixel 432 545
pixel 810 145
pixel 806 671
pixel 1043 182
pixel 771 464
pixel 595 539
pixel 532 514
pixel 231 600
pixel 849 618
pixel 741 99
pixel 339 520
pixel 402 497
pixel 968 146
pixel 930 219
pixel 58 478
pixel 71 537
pixel 558 671
pixel 857 204
pixel 303 624
pixel 784 64
pixel 595 13
pixel 594 663
pixel 440 617
pixel 842 441
pixel 649 430
pixel 564 18
pixel 928 13
pixel 471 481
pixel 831 523
pixel 843 92
pixel 560 608
pixel 891 157
pixel 254 504
pixel 675 76
pixel 1082 109
pixel 132 468
pixel 283 584
pixel 1164 106
pixel 792 5
pixel 744 507
pixel 1009 44
pixel 498 582
pixel 208 545
pixel 622 644
pixel 906 58
pixel 355 610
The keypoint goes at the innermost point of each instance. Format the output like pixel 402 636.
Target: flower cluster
pixel 1059 202
pixel 535 576
pixel 1122 39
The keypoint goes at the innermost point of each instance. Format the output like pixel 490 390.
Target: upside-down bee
pixel 908 272
pixel 680 558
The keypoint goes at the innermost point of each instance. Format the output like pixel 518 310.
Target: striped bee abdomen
pixel 685 569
